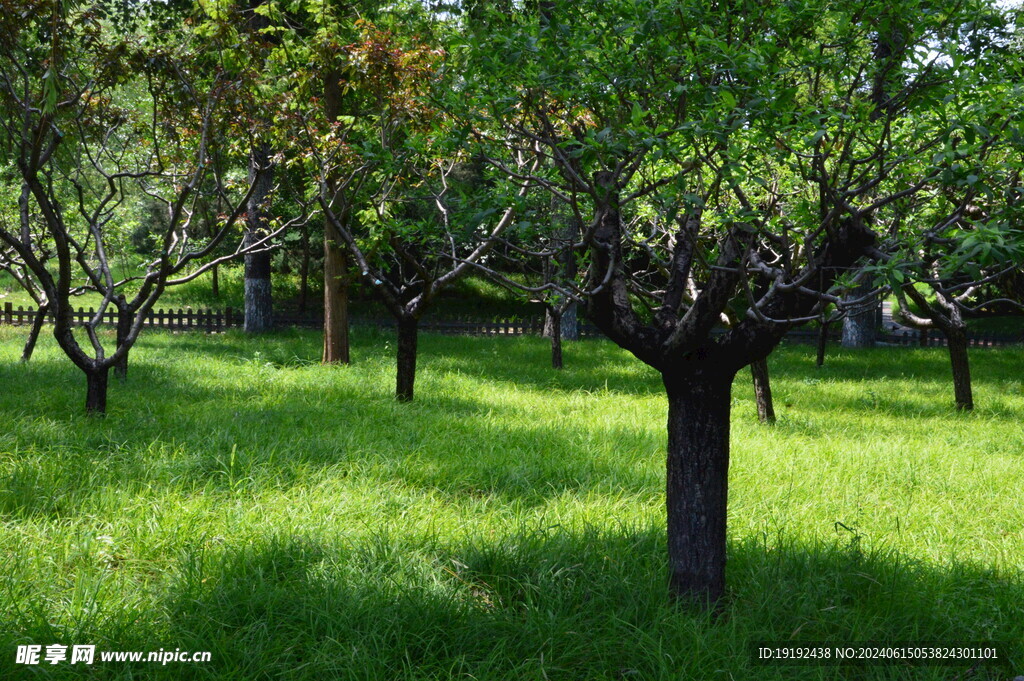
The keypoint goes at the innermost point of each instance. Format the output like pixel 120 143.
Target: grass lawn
pixel 298 523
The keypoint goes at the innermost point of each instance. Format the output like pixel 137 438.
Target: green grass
pixel 298 523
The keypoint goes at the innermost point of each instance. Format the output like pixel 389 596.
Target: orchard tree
pixel 943 273
pixel 944 281
pixel 394 184
pixel 316 54
pixel 93 119
pixel 748 133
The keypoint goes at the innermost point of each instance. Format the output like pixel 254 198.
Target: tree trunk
pixel 859 326
pixel 957 340
pixel 556 338
pixel 124 328
pixel 408 329
pixel 258 297
pixel 570 316
pixel 336 342
pixel 697 485
pixel 215 276
pixel 568 321
pixel 96 391
pixel 304 270
pixel 33 334
pixel 571 323
pixel 762 391
pixel 822 343
pixel 336 346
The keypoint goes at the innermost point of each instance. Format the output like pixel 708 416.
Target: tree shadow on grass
pixel 168 431
pixel 897 383
pixel 538 604
pixel 931 365
pixel 281 427
pixel 591 365
pixel 588 604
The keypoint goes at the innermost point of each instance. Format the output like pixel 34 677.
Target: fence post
pixel 923 337
pixel 8 313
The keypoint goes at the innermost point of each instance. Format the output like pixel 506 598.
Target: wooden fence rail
pixel 212 321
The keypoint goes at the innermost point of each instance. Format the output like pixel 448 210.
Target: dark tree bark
pixel 568 321
pixel 215 281
pixel 956 337
pixel 96 390
pixel 565 269
pixel 697 483
pixel 556 338
pixel 943 314
pixel 822 342
pixel 33 334
pixel 408 331
pixel 762 391
pixel 125 318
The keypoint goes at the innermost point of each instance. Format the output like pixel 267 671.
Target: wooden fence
pixel 913 338
pixel 211 321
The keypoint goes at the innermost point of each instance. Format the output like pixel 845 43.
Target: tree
pixel 945 272
pixel 745 139
pixel 93 119
pixel 405 218
pixel 954 269
pixel 259 298
pixel 861 321
pixel 329 112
